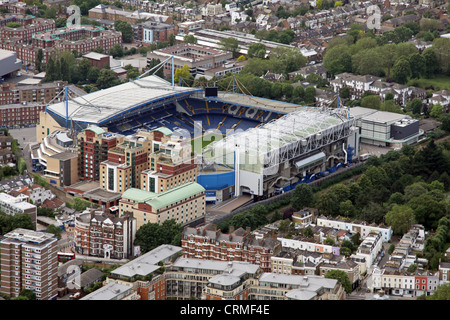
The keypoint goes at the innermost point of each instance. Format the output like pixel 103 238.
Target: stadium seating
pixel 213 115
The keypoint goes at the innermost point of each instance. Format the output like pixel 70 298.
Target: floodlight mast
pixel 158 66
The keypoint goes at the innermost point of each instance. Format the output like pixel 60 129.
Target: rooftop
pixel 104 105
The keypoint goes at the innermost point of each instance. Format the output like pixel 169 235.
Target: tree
pixel 400 218
pixel 28 294
pixel 22 166
pixel 436 111
pixel 310 95
pixel 341 277
pixel 371 101
pixel 347 209
pixel 38 61
pixel 116 51
pixel 445 122
pixel 189 39
pixel 431 62
pixel 415 106
pixel 50 70
pixel 126 30
pixel 257 50
pixel 229 44
pixel 417 65
pixel 401 71
pixel 54 230
pixel 441 48
pixel 106 79
pixel 93 74
pixel 302 196
pixel 442 292
pixel 184 73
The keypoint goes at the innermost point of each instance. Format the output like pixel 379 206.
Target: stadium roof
pixel 104 105
pixel 281 139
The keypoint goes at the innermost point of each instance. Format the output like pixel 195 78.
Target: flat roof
pixel 103 105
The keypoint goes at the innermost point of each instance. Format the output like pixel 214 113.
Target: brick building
pixel 100 235
pixel 29 261
pixel 93 145
pixel 30 25
pixel 184 204
pixel 239 245
pixel 167 171
pixel 125 162
pixel 10 93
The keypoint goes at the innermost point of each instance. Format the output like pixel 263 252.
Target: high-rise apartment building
pixel 29 260
pixel 170 165
pixel 125 162
pixel 93 145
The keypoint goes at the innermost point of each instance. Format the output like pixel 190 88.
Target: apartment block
pixel 144 272
pixel 12 206
pixel 93 145
pixel 201 279
pixel 83 39
pixel 98 234
pixel 170 165
pixel 271 286
pixel 29 261
pixel 184 204
pixel 209 243
pixel 125 162
pixel 30 25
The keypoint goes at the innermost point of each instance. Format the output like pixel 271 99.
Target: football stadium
pixel 244 145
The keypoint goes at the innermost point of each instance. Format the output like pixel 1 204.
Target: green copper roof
pixel 96 129
pixel 138 195
pixel 163 130
pixel 169 197
pixel 163 199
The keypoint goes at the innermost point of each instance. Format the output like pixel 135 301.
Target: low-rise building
pixel 184 204
pixel 238 245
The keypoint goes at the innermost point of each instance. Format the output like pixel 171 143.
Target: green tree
pixel 126 30
pixel 184 73
pixel 106 79
pixel 257 50
pixel 93 74
pixel 302 196
pixel 431 62
pixel 400 218
pixel 229 44
pixel 38 61
pixel 371 101
pixel 54 230
pixel 415 106
pixel 442 292
pixel 116 51
pixel 189 39
pixel 401 71
pixel 28 294
pixel 417 65
pixel 436 111
pixel 310 95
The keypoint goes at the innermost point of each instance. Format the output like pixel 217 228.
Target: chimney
pixel 231 229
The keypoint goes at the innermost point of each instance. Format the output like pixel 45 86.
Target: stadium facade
pixel 260 147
